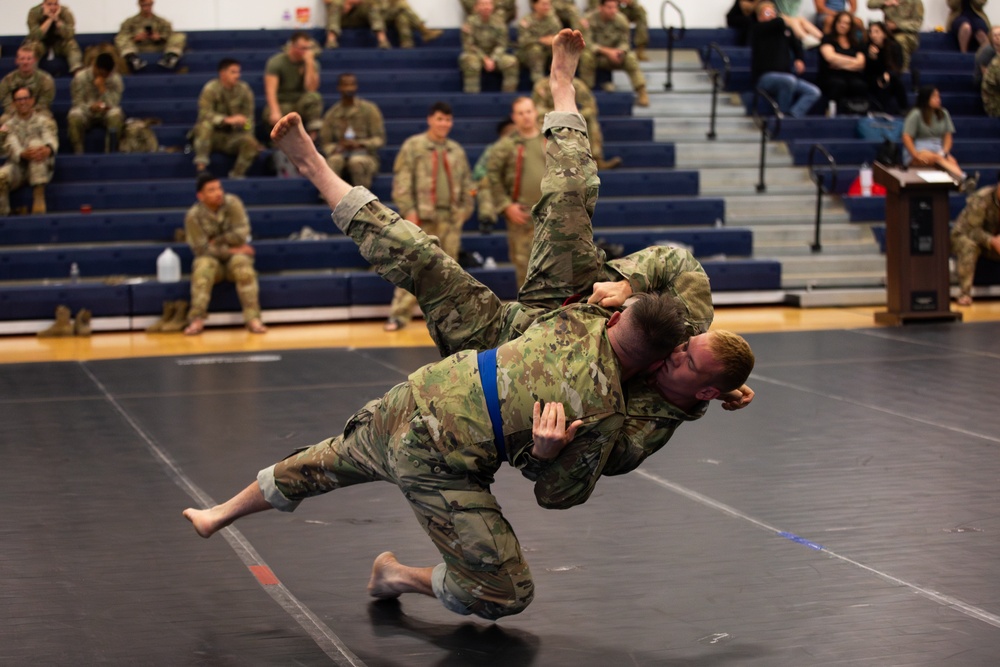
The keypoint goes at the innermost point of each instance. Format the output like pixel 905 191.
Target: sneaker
pixel 969 184
pixel 135 63
pixel 810 42
pixel 169 61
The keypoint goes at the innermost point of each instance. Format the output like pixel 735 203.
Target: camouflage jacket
pixel 229 227
pixel 991 88
pixel 415 178
pixel 36 17
pixel 216 102
pixel 505 168
pixel 85 93
pixel 40 83
pixel 612 34
pixel 541 95
pixel 980 219
pixel 908 15
pixel 363 117
pixel 133 26
pixel 502 8
pixel 20 133
pixel 488 39
pixel 530 29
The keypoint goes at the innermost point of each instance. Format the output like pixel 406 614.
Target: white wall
pixel 106 15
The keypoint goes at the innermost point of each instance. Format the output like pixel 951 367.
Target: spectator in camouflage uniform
pixel 354 14
pixel 218 231
pixel 401 15
pixel 990 87
pixel 567 13
pixel 635 13
pixel 485 39
pixel 535 33
pixel 352 133
pixel 485 208
pixel 432 187
pixel 30 142
pixel 607 35
pixel 291 83
pixel 541 95
pixel 97 98
pixel 148 33
pixel 225 120
pixel 903 19
pixel 505 9
pixel 52 30
pixel 27 74
pixel 976 233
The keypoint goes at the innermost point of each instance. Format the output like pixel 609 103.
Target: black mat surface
pixel 848 517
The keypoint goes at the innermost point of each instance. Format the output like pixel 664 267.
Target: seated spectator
pixel 352 133
pixel 27 74
pixel 927 137
pixel 148 33
pixel 801 27
pixel 976 233
pixel 541 95
pixel 52 30
pixel 354 14
pixel 485 39
pixel 291 83
pixel 842 67
pixel 990 88
pixel 567 13
pixel 218 231
pixel 883 58
pixel 485 208
pixel 225 120
pixel 535 33
pixel 635 13
pixel 30 144
pixel 966 19
pixel 772 45
pixel 607 40
pixel 826 10
pixel 985 54
pixel 97 98
pixel 903 18
pixel 740 18
pixel 505 9
pixel 405 20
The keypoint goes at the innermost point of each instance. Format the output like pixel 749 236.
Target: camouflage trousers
pixel 519 242
pixel 910 43
pixel 309 106
pixel 588 69
pixel 484 571
pixel 174 44
pixel 535 58
pixel 64 48
pixel 471 66
pixel 967 253
pixel 595 134
pixel 449 235
pixel 14 175
pixel 568 14
pixel 242 144
pixel 636 14
pixel 81 118
pixel 360 168
pixel 404 19
pixel 357 18
pixel 207 271
pixel 461 312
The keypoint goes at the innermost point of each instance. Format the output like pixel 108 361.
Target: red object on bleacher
pixel 855 189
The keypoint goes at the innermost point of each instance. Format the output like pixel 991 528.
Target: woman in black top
pixel 882 71
pixel 842 66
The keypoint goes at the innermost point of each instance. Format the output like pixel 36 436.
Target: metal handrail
pixel 762 124
pixel 821 186
pixel 669 84
pixel 714 75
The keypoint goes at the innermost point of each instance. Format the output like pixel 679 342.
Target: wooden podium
pixel 917 246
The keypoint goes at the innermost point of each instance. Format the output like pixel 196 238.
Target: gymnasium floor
pixel 848 517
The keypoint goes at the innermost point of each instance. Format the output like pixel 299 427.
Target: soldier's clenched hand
pixel 611 295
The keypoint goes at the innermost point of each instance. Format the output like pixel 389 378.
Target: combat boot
pixel 63 326
pixel 4 197
pixel 38 203
pixel 429 34
pixel 179 320
pixel 640 53
pixel 613 163
pixel 168 314
pixel 641 97
pixel 81 325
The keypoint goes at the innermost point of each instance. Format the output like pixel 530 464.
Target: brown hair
pixel 733 353
pixel 655 326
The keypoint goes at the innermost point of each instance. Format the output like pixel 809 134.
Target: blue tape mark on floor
pixel 802 540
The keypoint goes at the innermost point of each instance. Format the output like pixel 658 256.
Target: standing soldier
pixel 218 232
pixel 535 33
pixel 27 74
pixel 485 39
pixel 225 120
pixel 505 9
pixel 148 33
pixel 608 38
pixel 976 232
pixel 291 83
pixel 541 95
pixel 903 19
pixel 515 170
pixel 354 14
pixel 432 187
pixel 402 16
pixel 97 97
pixel 352 133
pixel 30 145
pixel 635 13
pixel 52 29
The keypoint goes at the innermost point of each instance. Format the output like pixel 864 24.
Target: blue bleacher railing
pixel 819 179
pixel 669 84
pixel 719 79
pixel 763 124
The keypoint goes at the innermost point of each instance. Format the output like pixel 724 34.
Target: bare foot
pixel 256 326
pixel 196 327
pixel 566 49
pixel 392 324
pixel 289 136
pixel 383 584
pixel 206 522
pixel 965 300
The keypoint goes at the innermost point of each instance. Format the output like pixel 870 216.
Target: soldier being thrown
pixel 446 418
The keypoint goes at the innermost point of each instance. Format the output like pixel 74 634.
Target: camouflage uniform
pixel 170 41
pixel 404 19
pixel 541 95
pixel 60 40
pixel 991 88
pixel 567 13
pixel 20 134
pixel 908 15
pixel 610 34
pixel 365 120
pixel 415 188
pixel 533 55
pixel 366 14
pixel 635 13
pixel 484 198
pixel 211 133
pixel 214 262
pixel 81 117
pixel 486 39
pixel 292 94
pixel 40 83
pixel 505 9
pixel 515 173
pixel 978 222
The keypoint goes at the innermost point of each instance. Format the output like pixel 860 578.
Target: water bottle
pixel 168 267
pixel 831 109
pixel 865 177
pixel 74 273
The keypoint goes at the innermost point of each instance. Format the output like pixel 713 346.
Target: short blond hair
pixel 733 353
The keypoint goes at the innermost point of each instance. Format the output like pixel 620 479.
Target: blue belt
pixel 488 376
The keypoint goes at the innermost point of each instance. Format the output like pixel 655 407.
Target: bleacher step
pixel 836 298
pixel 696 126
pixel 694 82
pixel 703 154
pixel 666 104
pixel 803 247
